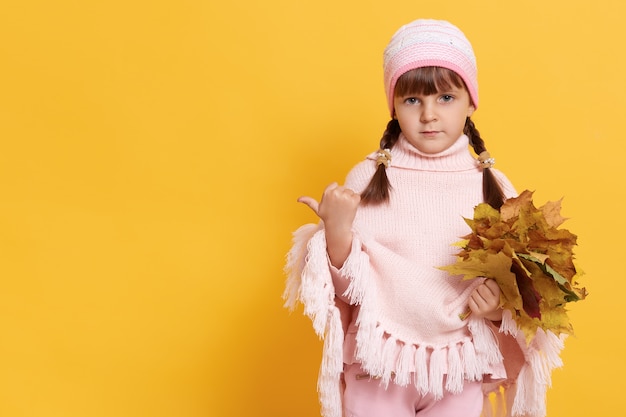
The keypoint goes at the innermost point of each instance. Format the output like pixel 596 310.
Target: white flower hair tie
pixel 485 160
pixel 383 157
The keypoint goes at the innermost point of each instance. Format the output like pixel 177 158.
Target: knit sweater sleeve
pixel 356 180
pixel 325 292
pixel 342 278
pixel 310 239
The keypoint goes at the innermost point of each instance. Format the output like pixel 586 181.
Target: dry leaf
pixel 523 249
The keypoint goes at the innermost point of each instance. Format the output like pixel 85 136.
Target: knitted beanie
pixel 426 43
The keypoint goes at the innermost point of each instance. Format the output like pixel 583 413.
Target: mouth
pixel 429 133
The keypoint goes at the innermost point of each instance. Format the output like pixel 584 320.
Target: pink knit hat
pixel 426 43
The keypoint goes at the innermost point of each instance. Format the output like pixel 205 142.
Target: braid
pixel 492 192
pixel 377 191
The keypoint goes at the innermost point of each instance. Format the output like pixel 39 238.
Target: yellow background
pixel 151 153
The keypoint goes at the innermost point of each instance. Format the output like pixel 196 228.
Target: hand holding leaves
pixel 484 301
pixel 522 248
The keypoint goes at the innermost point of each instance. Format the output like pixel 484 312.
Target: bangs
pixel 427 81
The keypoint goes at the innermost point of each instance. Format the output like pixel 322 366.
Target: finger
pixel 492 299
pixel 310 202
pixel 483 296
pixel 480 293
pixel 493 287
pixel 474 306
pixel 331 187
pixel 340 191
pixel 489 297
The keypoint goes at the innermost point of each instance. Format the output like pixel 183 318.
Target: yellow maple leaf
pixel 552 213
pixel 523 249
pixel 512 206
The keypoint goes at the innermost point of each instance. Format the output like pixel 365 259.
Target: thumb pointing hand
pixel 311 202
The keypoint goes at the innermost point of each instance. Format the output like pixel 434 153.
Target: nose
pixel 428 113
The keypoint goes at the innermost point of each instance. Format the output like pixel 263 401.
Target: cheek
pixel 406 118
pixel 406 125
pixel 462 117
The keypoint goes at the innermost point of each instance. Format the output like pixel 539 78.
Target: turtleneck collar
pixel 456 158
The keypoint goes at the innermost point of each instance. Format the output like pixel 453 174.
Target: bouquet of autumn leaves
pixel 529 256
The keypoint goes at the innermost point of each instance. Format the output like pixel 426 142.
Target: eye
pixel 411 100
pixel 447 98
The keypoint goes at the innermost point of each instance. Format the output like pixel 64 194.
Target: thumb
pixel 311 202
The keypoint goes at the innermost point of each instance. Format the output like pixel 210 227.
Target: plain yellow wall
pixel 151 153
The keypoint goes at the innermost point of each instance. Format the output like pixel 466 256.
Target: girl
pixel 398 341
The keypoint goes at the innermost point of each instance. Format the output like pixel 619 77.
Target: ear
pixel 470 110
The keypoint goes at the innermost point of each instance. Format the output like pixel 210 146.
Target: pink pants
pixel 364 397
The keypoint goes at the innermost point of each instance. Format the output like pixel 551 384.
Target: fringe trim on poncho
pixel 310 283
pixel 524 395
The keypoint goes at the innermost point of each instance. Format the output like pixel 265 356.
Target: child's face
pixel 432 123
